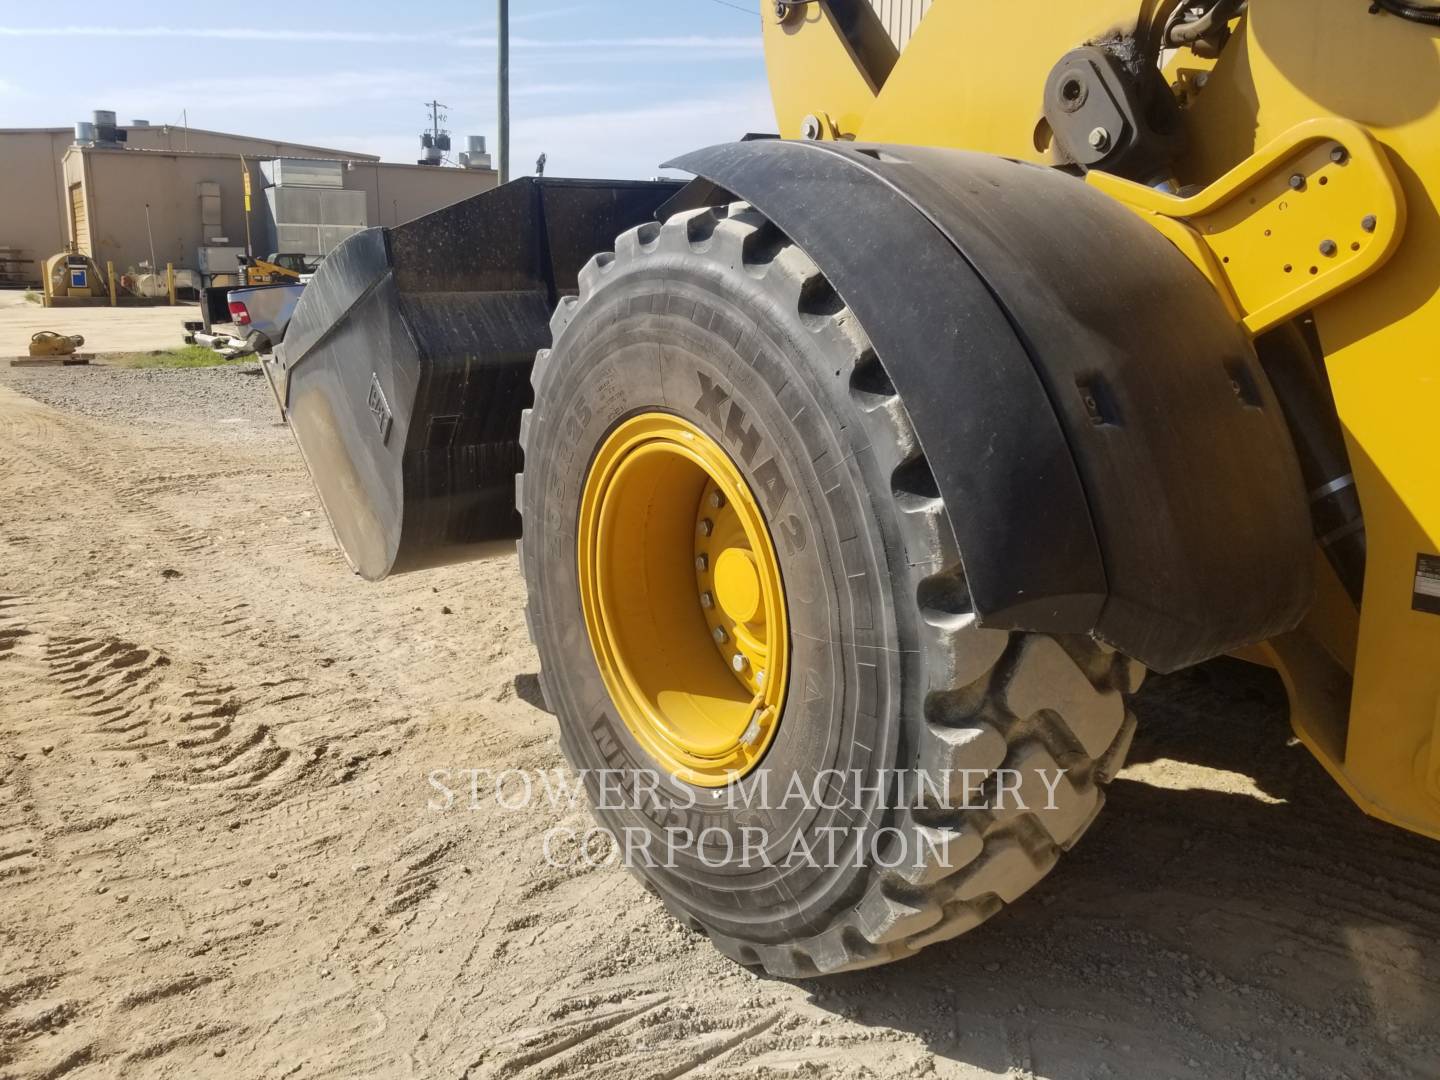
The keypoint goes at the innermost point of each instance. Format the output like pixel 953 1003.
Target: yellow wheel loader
pixel 1049 344
pixel 277 269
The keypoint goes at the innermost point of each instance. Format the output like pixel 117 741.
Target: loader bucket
pixel 407 364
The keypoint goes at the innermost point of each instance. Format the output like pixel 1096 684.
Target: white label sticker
pixel 1427 584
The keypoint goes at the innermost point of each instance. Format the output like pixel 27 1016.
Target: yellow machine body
pixel 1347 100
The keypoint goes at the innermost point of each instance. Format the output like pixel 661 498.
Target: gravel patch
pixel 236 396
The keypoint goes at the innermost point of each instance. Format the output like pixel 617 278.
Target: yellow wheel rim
pixel 683 601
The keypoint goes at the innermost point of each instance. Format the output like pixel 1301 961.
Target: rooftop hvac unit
pixel 106 131
pixel 303 172
pixel 314 221
pixel 475 157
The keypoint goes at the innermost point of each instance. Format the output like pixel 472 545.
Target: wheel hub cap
pixel 683 600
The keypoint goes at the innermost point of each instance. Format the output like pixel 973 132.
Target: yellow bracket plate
pixel 814 72
pixel 1311 214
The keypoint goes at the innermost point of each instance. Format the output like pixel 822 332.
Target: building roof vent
pixel 106 131
pixel 476 157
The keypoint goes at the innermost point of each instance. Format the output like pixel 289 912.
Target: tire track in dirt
pixel 31 1014
pixel 537 1051
pixel 110 699
pixel 105 475
pixel 12 628
pixel 22 844
pixel 297 559
pixel 115 681
pixel 132 701
pixel 141 722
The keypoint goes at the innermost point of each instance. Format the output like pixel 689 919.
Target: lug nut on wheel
pixel 739 663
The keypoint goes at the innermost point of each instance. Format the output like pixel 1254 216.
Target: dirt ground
pixel 106 330
pixel 218 856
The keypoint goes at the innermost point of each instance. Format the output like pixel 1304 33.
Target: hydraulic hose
pixel 1424 14
pixel 1290 359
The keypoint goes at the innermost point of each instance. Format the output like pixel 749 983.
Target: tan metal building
pixel 33 221
pixel 56 194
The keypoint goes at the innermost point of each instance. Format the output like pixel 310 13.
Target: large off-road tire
pixel 716 318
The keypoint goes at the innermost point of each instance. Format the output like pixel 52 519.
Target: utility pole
pixel 436 141
pixel 504 91
pixel 245 184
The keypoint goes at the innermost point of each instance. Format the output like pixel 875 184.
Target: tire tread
pixel 996 700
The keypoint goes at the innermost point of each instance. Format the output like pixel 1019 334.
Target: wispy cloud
pixel 734 46
pixel 542 16
pixel 237 33
pixel 518 18
pixel 329 89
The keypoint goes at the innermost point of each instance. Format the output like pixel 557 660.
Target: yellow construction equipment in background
pixel 276 269
pixel 49 343
pixel 49 349
pixel 1049 344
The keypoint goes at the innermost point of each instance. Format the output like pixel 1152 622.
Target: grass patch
pixel 31 296
pixel 187 356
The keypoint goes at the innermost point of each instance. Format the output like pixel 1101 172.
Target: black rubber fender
pixel 1112 457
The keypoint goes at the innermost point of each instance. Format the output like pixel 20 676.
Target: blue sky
pixel 604 88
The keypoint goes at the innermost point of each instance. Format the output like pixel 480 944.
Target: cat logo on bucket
pixel 380 409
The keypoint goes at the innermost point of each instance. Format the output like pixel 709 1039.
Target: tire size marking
pixel 717 406
pixel 659 813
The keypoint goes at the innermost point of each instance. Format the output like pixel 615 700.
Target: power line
pixel 737 7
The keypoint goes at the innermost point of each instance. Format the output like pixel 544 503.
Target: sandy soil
pixel 218 856
pixel 106 330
